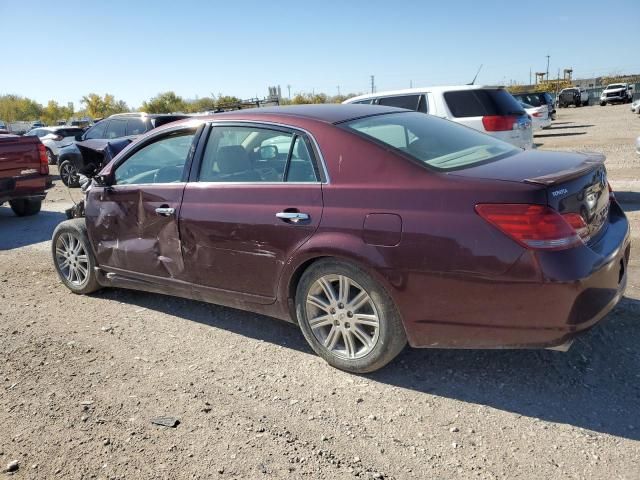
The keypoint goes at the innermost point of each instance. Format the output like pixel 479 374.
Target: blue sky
pixel 134 49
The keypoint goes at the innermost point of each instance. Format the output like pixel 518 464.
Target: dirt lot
pixel 82 377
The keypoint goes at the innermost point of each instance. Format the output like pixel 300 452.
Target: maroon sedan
pixel 368 226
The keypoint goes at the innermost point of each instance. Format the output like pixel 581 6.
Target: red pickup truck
pixel 24 173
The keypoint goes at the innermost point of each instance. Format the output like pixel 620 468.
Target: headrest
pixel 232 159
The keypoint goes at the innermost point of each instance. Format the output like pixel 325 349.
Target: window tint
pixel 159 162
pixel 69 132
pixel 97 131
pixel 478 103
pixel 136 126
pixel 117 128
pixel 363 102
pixel 245 154
pixel 301 166
pixel 410 102
pixel 432 141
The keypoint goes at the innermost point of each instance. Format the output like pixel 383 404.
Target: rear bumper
pixel 573 293
pixel 28 186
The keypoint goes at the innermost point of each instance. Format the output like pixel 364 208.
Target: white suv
pixel 491 110
pixel 53 138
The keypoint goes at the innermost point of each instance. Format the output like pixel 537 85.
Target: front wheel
pixel 602 104
pixel 347 317
pixel 25 207
pixel 69 174
pixel 73 256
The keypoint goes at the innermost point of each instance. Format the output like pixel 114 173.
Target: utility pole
pixel 338 87
pixel 289 90
pixel 548 68
pixel 529 75
pixel 410 83
pixel 373 88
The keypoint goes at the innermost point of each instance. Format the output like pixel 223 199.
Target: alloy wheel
pixel 68 174
pixel 342 316
pixel 72 259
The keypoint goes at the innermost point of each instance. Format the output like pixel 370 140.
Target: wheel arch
pixel 345 248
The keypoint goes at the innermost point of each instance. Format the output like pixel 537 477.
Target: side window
pixel 363 102
pixel 97 131
pixel 136 126
pixel 410 102
pixel 245 154
pixel 159 162
pixel 117 128
pixel 301 166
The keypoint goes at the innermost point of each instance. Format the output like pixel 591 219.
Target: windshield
pixel 615 85
pixel 434 142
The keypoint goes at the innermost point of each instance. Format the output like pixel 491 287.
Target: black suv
pixel 537 99
pixel 87 154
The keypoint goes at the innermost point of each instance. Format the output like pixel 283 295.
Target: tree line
pixel 17 108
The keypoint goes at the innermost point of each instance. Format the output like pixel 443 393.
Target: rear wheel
pixel 602 104
pixel 51 158
pixel 25 207
pixel 69 174
pixel 347 317
pixel 73 257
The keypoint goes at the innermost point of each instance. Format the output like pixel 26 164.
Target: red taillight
pixel 499 123
pixel 532 226
pixel 44 161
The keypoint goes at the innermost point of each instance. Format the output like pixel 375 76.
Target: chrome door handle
pixel 165 211
pixel 293 217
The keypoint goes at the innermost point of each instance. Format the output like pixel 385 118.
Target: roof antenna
pixel 474 78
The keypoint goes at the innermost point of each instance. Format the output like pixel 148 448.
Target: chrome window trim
pixel 214 123
pixel 117 186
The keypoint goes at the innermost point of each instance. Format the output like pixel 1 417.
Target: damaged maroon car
pixel 368 226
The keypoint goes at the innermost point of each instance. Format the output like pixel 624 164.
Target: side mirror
pixel 268 152
pixel 106 180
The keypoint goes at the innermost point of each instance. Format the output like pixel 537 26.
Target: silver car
pixel 53 138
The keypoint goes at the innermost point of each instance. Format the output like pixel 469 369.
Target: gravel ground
pixel 81 379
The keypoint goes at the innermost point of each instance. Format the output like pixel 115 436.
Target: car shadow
pixel 629 201
pixel 563 134
pixel 554 127
pixel 593 386
pixel 22 231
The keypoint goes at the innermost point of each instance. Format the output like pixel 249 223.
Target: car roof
pixel 418 90
pixel 328 113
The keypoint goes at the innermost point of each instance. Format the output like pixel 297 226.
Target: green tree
pixel 225 100
pixel 201 105
pixel 51 113
pixel 98 107
pixel 16 108
pixel 165 102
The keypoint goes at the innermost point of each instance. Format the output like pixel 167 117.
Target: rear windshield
pixel 478 103
pixel 69 132
pixel 434 142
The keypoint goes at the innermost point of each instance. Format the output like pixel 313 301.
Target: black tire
pixel 391 337
pixel 585 104
pixel 578 104
pixel 25 207
pixel 51 158
pixel 603 104
pixel 69 174
pixel 78 230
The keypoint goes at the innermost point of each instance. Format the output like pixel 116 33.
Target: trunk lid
pixel 575 183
